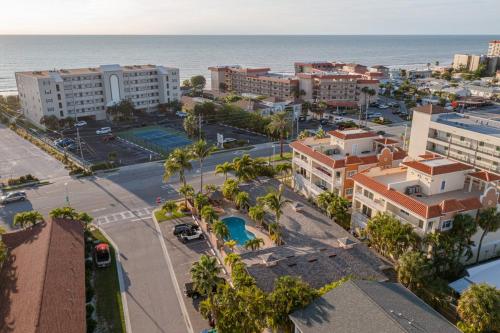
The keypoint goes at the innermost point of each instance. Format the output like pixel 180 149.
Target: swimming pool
pixel 237 230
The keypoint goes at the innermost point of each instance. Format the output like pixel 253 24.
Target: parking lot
pixel 183 255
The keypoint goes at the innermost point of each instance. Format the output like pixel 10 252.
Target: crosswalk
pixel 127 215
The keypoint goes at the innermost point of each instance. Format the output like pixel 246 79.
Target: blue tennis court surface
pixel 159 137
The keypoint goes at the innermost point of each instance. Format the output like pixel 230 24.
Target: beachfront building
pixel 465 138
pixel 494 48
pixel 328 164
pixel 469 62
pixel 86 93
pixel 427 193
pixel 258 81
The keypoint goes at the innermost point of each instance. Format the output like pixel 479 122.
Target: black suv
pixel 184 227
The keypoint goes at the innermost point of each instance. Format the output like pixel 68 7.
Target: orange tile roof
pixel 451 205
pixel 437 170
pixel 486 176
pixel 342 135
pixel 320 157
pixel 386 141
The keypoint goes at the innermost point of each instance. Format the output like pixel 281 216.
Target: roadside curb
pixel 178 292
pixel 128 327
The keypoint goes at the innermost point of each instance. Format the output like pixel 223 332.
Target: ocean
pixel 194 54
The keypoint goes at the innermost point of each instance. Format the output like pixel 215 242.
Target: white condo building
pixel 87 92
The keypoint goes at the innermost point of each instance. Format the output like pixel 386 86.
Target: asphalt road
pixel 121 203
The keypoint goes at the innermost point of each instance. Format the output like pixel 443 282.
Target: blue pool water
pixel 237 230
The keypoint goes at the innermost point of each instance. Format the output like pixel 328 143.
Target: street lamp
pixel 67 194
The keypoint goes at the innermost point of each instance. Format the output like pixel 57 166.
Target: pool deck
pixel 251 226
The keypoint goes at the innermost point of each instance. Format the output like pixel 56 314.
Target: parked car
pixel 13 197
pixel 63 143
pixel 81 123
pixel 183 227
pixel 383 106
pixel 103 130
pixel 190 235
pixel 228 140
pixel 374 115
pixel 323 121
pixel 181 114
pixel 102 255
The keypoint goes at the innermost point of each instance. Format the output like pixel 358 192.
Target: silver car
pixel 13 197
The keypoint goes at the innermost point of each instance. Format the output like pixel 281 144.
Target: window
pixel 350 174
pixel 443 185
pixel 368 194
pixel 404 212
pixel 348 191
pixel 420 224
pixel 462 138
pixel 481 143
pixel 447 225
pixel 429 225
pixel 367 211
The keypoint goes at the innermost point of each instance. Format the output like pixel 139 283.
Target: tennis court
pixel 156 138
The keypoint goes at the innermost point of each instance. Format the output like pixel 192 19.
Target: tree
pixel 257 214
pixel 324 199
pixel 231 244
pixel 289 294
pixel 205 275
pixel 65 213
pixel 187 192
pixel 275 233
pixel 275 202
pixel 210 188
pixel 244 168
pixel 208 214
pixel 220 229
pixel 28 218
pixel 198 82
pixel 230 189
pixel 4 253
pixel 479 309
pixel 224 168
pixel 191 125
pixel 390 237
pixel 200 200
pixel 338 209
pixel 254 243
pixel 186 83
pixel 279 126
pixel 177 161
pixel 85 218
pixel 242 200
pixel 304 134
pixel 122 111
pixel 201 150
pixel 169 207
pixel 413 270
pixel 50 122
pixel 489 221
pixel 320 134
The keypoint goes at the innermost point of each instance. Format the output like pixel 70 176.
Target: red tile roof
pixel 486 176
pixel 430 109
pixel 399 155
pixel 43 281
pixel 386 141
pixel 349 136
pixel 320 157
pixel 451 205
pixel 438 169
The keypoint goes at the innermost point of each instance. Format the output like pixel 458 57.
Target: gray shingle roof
pixel 369 306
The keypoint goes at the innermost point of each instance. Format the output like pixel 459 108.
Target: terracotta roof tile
pixel 320 157
pixel 486 176
pixel 386 141
pixel 349 136
pixel 438 169
pixel 451 205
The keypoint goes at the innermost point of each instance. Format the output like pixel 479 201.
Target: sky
pixel 206 17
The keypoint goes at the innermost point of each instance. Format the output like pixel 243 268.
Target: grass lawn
pixel 161 215
pixel 276 158
pixel 109 308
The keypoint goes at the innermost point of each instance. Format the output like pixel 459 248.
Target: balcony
pixel 322 173
pixel 317 189
pixel 375 204
pixel 301 163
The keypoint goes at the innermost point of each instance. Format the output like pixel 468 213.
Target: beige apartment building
pixel 86 93
pixel 427 193
pixel 469 61
pixel 328 164
pixel 465 138
pixel 494 48
pixel 258 81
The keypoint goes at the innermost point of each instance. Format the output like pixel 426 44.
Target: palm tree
pixel 208 214
pixel 169 207
pixel 338 209
pixel 201 150
pixel 224 168
pixel 177 162
pixel 85 218
pixel 210 188
pixel 275 201
pixel 324 199
pixel 304 134
pixel 478 308
pixel 230 188
pixel 244 168
pixel 489 221
pixel 257 214
pixel 28 218
pixel 220 230
pixel 284 169
pixel 205 275
pixel 254 243
pixel 231 259
pixel 242 200
pixel 413 270
pixel 275 233
pixel 187 191
pixel 66 213
pixel 280 126
pixel 231 244
pixel 200 200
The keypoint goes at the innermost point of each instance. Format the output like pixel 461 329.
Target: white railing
pixel 301 163
pixel 321 174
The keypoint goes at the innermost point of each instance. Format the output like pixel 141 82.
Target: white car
pixel 383 106
pixel 13 197
pixel 181 114
pixel 103 130
pixel 190 235
pixel 81 123
pixel 228 140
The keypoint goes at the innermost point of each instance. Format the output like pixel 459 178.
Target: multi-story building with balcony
pixel 87 92
pixel 259 81
pixel 426 193
pixel 494 48
pixel 328 164
pixel 465 138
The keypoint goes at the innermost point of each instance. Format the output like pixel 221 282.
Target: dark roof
pixel 430 109
pixel 43 281
pixel 370 306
